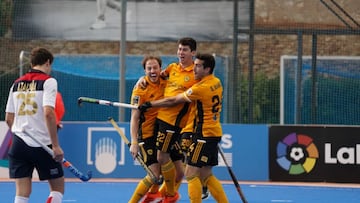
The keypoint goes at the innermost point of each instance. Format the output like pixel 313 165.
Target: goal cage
pixel 327 93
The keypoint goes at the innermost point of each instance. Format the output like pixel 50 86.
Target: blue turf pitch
pixel 120 192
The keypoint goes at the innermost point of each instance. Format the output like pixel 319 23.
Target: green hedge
pixel 266 99
pixel 6 81
pixel 5 16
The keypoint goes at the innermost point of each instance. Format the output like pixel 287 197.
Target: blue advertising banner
pixel 97 147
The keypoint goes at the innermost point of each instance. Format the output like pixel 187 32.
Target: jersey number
pixel 27 100
pixel 216 103
pixel 216 106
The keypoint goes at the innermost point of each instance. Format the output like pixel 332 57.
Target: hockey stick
pixel 104 102
pixel 234 179
pixel 138 156
pixel 65 162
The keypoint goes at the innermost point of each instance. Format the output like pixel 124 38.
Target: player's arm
pixel 9 118
pixel 164 74
pixel 141 82
pixel 134 130
pixel 10 115
pixel 49 100
pixel 50 119
pixel 170 101
pixel 166 102
pixel 59 110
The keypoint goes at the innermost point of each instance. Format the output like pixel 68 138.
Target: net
pixel 265 31
pixel 97 76
pixel 336 90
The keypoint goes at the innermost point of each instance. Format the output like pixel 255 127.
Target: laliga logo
pixel 344 155
pixel 297 154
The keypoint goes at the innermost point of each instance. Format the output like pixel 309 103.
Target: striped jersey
pixel 179 80
pixel 153 91
pixel 207 95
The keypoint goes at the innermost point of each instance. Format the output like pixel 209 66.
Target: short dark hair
pixel 150 57
pixel 40 55
pixel 188 41
pixel 209 60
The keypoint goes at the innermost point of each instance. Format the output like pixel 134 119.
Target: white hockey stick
pixel 104 102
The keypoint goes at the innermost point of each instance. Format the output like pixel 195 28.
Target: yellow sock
pixel 177 185
pixel 162 189
pixel 154 188
pixel 216 189
pixel 168 171
pixel 141 189
pixel 194 189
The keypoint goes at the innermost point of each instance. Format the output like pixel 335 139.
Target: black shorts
pixel 168 140
pixel 148 150
pixel 23 159
pixel 203 152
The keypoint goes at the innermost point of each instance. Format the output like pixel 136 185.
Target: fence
pixel 308 92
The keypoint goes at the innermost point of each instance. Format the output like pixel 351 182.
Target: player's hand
pixel 144 107
pixel 163 74
pixel 58 154
pixel 141 83
pixel 134 149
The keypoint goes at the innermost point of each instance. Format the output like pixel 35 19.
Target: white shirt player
pixel 28 105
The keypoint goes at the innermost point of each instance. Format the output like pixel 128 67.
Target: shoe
pixel 152 198
pixel 171 199
pixel 205 193
pixel 98 24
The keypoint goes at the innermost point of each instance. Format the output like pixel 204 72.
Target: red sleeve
pixel 59 108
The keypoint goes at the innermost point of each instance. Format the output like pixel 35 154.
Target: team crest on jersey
pixel 187 78
pixel 135 100
pixel 150 152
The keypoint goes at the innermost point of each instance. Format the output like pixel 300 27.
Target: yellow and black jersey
pixel 190 124
pixel 207 95
pixel 153 91
pixel 179 80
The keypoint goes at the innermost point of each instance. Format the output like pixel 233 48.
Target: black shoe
pixel 205 193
